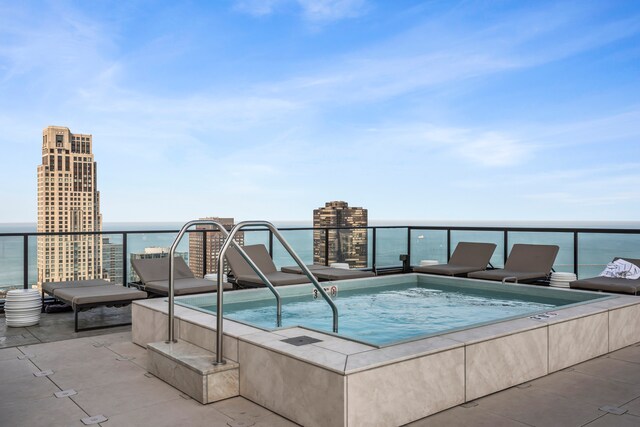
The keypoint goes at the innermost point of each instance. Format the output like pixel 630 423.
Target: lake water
pixel 595 250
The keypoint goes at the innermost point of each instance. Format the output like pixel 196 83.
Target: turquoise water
pixel 596 250
pixel 388 314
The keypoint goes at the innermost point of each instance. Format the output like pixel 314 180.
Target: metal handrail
pixel 172 251
pixel 228 242
pixel 228 238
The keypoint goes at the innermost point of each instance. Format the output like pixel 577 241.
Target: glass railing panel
pixel 596 250
pixel 497 237
pixel 301 241
pixel 428 245
pixel 390 244
pixel 112 264
pixel 564 259
pixel 350 246
pixel 11 264
pixel 153 245
pixel 255 237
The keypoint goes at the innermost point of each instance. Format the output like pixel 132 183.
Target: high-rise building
pixel 68 201
pixel 112 261
pixel 213 241
pixel 152 252
pixel 347 245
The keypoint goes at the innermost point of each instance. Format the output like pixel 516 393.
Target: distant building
pixel 152 253
pixel 211 243
pixel 68 201
pixel 348 245
pixel 112 261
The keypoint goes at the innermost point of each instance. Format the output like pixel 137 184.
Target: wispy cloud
pixel 313 10
pixel 257 7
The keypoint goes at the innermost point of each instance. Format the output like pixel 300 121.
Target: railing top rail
pixel 584 230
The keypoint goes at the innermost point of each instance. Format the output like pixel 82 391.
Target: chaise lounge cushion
pixel 51 287
pixel 260 256
pixel 341 274
pixel 322 272
pixel 276 278
pixel 445 269
pixel 500 274
pixel 79 296
pixel 610 284
pixel 154 269
pixel 154 275
pixel 525 262
pixel 186 286
pixel 467 257
pixel 294 269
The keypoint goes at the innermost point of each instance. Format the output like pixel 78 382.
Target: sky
pixel 415 110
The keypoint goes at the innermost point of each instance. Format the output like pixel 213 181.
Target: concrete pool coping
pixel 370 384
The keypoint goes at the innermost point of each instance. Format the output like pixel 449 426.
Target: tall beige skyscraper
pixel 68 201
pixel 349 245
pixel 210 246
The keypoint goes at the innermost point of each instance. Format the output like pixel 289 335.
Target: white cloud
pixel 331 10
pixel 313 10
pixel 257 7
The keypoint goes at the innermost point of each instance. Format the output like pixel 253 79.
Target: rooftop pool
pixel 382 311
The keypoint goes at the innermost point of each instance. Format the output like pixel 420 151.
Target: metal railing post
pixel 448 244
pixel 505 242
pixel 25 264
pixel 271 244
pixel 409 244
pixel 125 276
pixel 204 253
pixel 326 246
pixel 374 246
pixel 575 253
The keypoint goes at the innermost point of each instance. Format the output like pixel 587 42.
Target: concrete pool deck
pixel 359 384
pixel 570 397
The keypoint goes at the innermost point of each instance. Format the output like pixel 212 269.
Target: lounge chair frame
pixel 77 308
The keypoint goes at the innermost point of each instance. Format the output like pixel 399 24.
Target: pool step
pixel 190 369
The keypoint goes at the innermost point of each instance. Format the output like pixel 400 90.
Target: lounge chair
pixel 245 276
pixel 526 263
pixel 325 273
pixel 83 295
pixel 610 284
pixel 466 258
pixel 154 277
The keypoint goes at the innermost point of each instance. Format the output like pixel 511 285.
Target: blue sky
pixel 425 110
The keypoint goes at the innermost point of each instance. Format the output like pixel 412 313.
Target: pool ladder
pixel 228 242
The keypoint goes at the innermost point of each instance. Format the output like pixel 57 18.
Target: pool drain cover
pixel 301 340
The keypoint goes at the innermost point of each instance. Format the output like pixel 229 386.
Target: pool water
pixel 386 314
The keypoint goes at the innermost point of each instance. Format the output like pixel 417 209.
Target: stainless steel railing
pixel 176 242
pixel 228 242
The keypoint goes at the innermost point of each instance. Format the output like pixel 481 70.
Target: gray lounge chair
pixel 325 273
pixel 154 277
pixel 526 263
pixel 245 276
pixel 466 258
pixel 610 284
pixel 83 295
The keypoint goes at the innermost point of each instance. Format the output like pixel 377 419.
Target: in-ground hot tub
pixel 385 370
pixel 388 310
